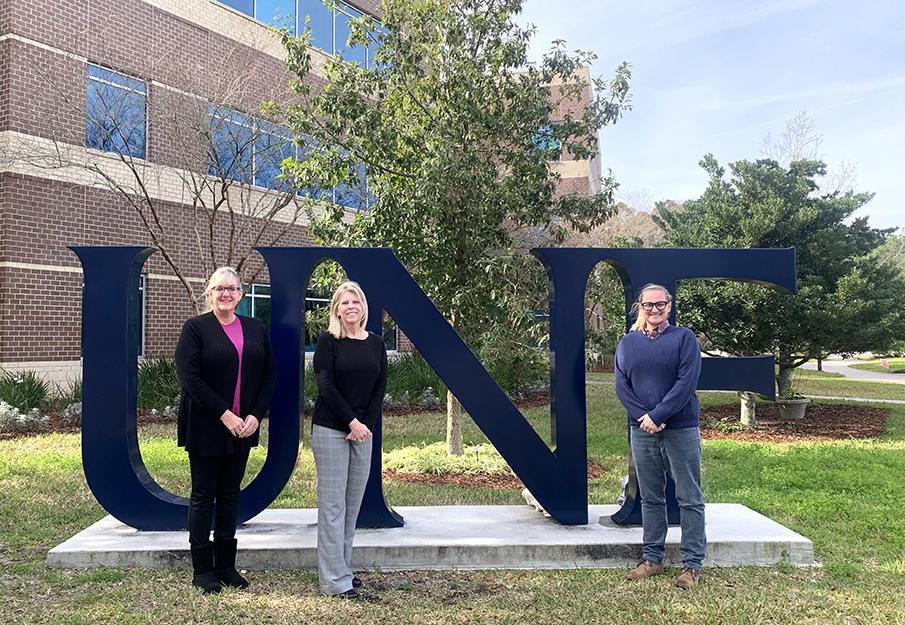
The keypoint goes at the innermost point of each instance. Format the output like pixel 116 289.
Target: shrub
pixel 483 459
pixel 410 374
pixel 24 390
pixel 158 386
pixel 12 420
pixel 72 415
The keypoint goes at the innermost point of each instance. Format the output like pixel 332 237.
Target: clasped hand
pixel 237 426
pixel 359 432
pixel 647 424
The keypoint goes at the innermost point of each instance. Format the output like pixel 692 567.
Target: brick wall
pixel 188 52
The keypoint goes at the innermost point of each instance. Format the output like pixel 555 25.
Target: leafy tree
pixel 457 135
pixel 846 302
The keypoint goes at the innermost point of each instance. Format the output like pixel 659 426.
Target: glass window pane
pixel 353 196
pixel 244 307
pixel 245 6
pixel 320 19
pixel 262 311
pixel 267 11
pixel 232 145
pixel 273 146
pixel 373 45
pixel 389 333
pixel 116 112
pixel 343 49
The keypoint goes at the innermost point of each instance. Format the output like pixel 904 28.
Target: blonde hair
pixel 221 275
pixel 335 328
pixel 636 307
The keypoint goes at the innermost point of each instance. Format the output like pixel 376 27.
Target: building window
pixel 329 29
pixel 256 303
pixel 116 108
pixel 141 315
pixel 251 150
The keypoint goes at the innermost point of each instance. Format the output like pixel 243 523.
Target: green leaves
pixel 845 301
pixel 459 135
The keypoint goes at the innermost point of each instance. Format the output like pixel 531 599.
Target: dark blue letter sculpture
pixel 118 478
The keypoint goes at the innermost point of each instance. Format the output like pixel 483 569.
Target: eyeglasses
pixel 231 288
pixel 649 306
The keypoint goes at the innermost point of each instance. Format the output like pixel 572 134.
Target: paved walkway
pixel 836 364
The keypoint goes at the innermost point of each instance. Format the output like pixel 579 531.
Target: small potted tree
pixel 792 405
pixel 790 402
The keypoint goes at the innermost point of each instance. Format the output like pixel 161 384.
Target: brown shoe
pixel 688 578
pixel 644 569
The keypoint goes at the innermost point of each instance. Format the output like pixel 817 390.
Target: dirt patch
pixel 821 422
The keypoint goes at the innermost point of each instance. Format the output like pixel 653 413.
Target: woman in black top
pixel 350 365
pixel 227 371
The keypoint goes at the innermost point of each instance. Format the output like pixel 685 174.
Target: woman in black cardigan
pixel 226 370
pixel 350 365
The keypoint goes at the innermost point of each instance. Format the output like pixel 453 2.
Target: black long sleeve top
pixel 207 365
pixel 351 379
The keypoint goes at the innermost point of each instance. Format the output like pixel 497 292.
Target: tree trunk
pixel 454 415
pixel 784 380
pixel 748 416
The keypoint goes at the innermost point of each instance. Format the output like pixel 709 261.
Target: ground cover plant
pixel 845 494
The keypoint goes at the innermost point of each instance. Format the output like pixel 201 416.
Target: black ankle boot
pixel 225 564
pixel 203 565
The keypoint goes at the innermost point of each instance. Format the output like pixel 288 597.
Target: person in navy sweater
pixel 227 373
pixel 657 368
pixel 350 366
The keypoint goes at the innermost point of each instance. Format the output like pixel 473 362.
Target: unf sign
pixel 121 483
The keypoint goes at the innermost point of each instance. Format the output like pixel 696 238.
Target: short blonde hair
pixel 221 275
pixel 335 328
pixel 636 307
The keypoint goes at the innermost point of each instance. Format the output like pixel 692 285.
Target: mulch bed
pixel 821 422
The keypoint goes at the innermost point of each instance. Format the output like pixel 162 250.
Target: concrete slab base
pixel 447 537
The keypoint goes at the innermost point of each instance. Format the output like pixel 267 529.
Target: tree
pixel 457 135
pixel 212 148
pixel 801 141
pixel 845 303
pixel 632 225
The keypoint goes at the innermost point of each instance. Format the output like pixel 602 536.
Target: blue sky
pixel 713 76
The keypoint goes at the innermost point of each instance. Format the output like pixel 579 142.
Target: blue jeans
pixel 677 452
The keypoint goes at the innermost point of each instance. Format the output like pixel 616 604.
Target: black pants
pixel 215 478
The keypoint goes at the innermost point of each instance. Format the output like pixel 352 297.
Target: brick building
pixel 112 119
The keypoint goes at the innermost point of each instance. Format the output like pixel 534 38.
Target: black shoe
pixel 225 564
pixel 357 583
pixel 231 578
pixel 208 583
pixel 203 566
pixel 351 595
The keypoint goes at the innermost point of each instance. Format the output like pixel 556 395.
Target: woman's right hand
pixel 232 422
pixel 360 432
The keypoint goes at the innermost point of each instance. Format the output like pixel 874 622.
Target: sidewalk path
pixel 835 364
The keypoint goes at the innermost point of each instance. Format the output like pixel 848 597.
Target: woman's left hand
pixel 249 427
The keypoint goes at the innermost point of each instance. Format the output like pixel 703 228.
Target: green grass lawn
pixel 895 365
pixel 847 496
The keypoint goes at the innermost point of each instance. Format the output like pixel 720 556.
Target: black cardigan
pixel 207 365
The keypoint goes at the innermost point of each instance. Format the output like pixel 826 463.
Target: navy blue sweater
pixel 658 377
